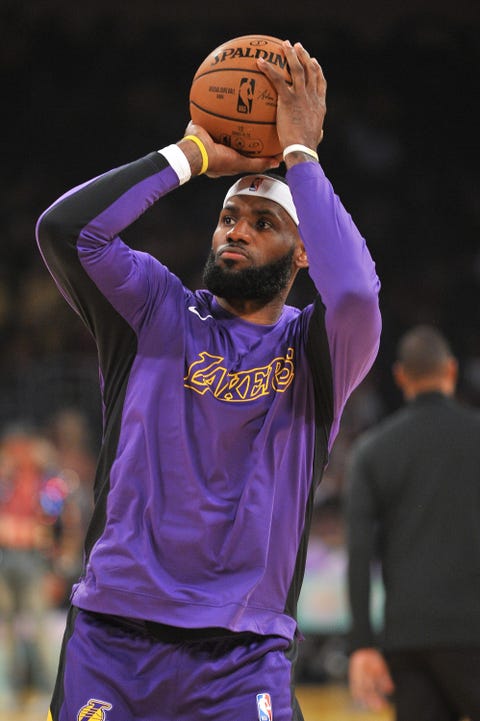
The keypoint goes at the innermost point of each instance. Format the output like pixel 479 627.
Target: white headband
pixel 263 186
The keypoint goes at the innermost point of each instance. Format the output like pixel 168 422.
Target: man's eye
pixel 228 220
pixel 263 224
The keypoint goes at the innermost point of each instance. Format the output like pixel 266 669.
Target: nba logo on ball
pixel 246 93
pixel 264 707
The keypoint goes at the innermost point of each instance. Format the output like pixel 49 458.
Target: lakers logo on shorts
pixel 94 710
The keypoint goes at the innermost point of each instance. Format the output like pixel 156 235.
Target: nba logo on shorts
pixel 264 707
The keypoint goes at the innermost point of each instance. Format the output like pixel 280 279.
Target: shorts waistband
pixel 173 634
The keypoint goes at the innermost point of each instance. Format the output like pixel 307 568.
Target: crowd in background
pixel 83 94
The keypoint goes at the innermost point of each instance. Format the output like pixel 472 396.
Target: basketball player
pixel 414 485
pixel 220 407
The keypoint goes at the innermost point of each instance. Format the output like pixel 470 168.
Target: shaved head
pixel 423 351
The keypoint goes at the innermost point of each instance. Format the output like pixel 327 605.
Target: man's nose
pixel 241 231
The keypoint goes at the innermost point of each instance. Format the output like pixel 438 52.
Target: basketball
pixel 233 101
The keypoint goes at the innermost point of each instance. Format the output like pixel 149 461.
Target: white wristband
pixel 298 148
pixel 178 160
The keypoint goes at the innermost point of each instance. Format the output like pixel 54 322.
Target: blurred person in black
pixel 413 497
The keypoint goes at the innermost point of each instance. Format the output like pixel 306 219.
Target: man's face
pixel 254 250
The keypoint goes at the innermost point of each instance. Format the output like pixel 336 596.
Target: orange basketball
pixel 233 100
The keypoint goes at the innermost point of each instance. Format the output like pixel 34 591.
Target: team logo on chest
pixel 264 707
pixel 94 710
pixel 209 374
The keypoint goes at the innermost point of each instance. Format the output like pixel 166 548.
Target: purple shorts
pixel 118 670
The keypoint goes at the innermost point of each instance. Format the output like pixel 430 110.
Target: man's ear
pixel 399 375
pixel 301 260
pixel 450 376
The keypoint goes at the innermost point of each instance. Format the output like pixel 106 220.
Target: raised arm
pixel 339 261
pixel 79 235
pixel 79 238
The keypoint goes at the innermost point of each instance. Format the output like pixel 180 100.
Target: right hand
pixel 369 679
pixel 222 160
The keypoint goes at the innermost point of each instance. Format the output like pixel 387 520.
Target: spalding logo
pixel 94 710
pixel 269 55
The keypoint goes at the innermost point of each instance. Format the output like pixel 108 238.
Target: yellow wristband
pixel 202 149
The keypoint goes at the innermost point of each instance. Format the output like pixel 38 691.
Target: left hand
pixel 223 160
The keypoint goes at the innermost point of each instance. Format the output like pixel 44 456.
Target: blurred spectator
pixel 32 499
pixel 68 430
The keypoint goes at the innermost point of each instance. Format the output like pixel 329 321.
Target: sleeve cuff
pixel 177 159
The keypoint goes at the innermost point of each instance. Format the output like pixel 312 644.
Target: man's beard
pixel 263 283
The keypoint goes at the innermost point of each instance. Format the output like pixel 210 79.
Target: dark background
pixel 91 85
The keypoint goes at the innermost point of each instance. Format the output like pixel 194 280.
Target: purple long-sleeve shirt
pixel 216 430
